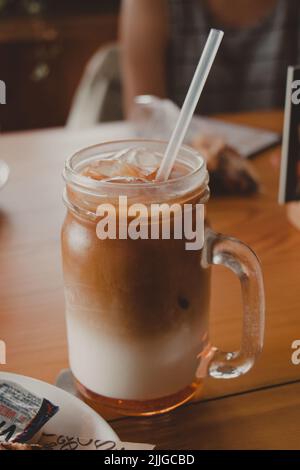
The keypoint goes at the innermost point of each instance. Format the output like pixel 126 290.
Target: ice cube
pixel 138 164
pixel 143 160
pixel 102 169
pixel 140 157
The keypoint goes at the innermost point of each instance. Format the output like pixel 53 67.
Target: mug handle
pixel 239 258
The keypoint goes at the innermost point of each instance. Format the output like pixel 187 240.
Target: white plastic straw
pixel 206 61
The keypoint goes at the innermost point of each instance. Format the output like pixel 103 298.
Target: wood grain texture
pixel 262 420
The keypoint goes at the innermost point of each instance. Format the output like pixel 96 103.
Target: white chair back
pixel 98 96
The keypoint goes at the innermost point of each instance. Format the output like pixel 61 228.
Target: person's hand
pixel 275 158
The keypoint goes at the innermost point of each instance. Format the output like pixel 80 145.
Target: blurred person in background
pixel 162 41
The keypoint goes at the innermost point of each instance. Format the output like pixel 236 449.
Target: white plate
pixel 4 173
pixel 74 417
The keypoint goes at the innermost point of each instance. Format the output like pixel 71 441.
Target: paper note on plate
pixel 61 442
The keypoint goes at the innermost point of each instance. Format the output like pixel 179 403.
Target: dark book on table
pixel 289 189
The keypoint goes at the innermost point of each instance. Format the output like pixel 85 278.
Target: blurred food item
pixel 229 172
pixel 17 446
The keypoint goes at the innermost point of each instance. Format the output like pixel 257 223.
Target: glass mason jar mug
pixel 137 310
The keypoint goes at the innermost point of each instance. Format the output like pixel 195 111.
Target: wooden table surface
pixel 259 410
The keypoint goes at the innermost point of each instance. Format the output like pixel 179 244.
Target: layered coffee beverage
pixel 136 309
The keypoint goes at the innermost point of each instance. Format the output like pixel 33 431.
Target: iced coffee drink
pixel 136 309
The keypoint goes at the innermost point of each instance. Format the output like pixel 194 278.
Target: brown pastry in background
pixel 229 172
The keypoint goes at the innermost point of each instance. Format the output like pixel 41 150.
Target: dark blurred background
pixel 44 46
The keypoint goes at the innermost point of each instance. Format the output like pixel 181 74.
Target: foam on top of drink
pixel 131 165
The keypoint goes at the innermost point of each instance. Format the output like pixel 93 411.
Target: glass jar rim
pixel 73 177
